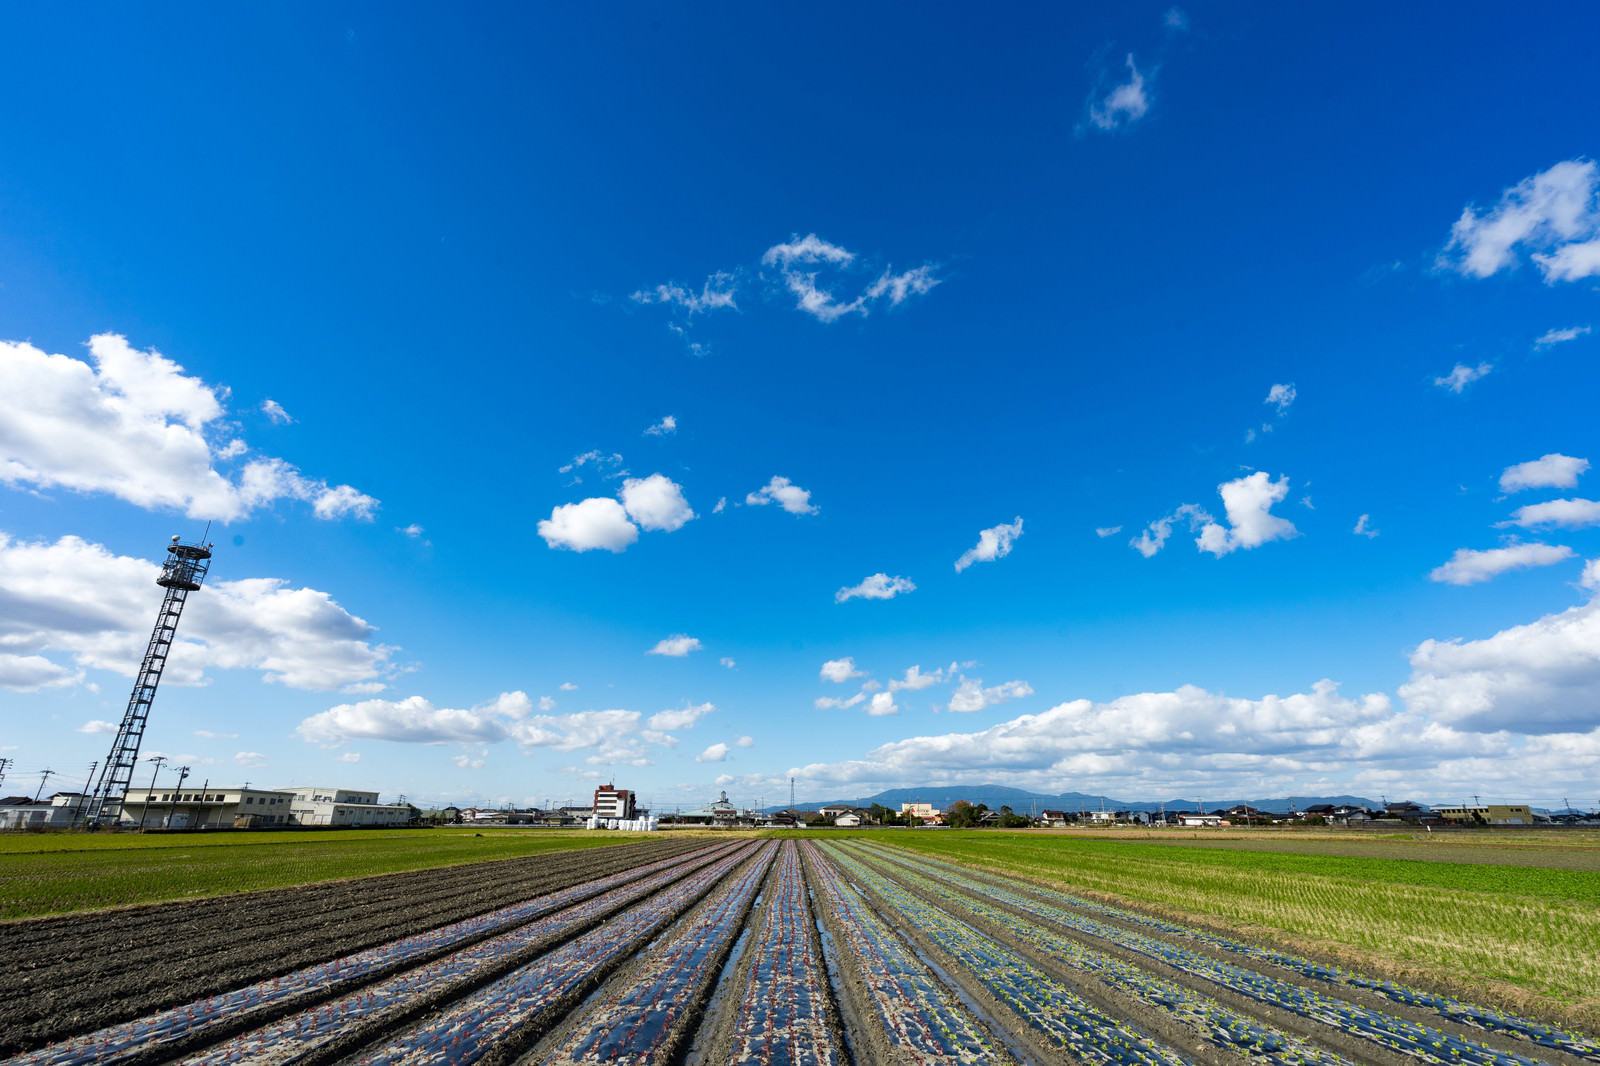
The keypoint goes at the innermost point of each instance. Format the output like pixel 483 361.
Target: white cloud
pixel 824 703
pixel 1248 502
pixel 1154 538
pixel 275 413
pixel 820 302
pixel 1107 531
pixel 250 758
pixel 656 503
pixel 413 530
pixel 719 291
pixel 666 427
pixel 1534 678
pixel 1561 336
pixel 598 522
pixel 915 680
pixel 993 543
pixel 1124 105
pixel 416 720
pixel 971 696
pixel 1363 529
pixel 1553 471
pixel 745 742
pixel 467 762
pixel 568 686
pixel 722 504
pixel 882 704
pixel 348 757
pixel 1175 19
pixel 135 426
pixel 547 703
pixel 209 735
pixel 784 493
pixel 1462 376
pixel 1468 567
pixel 1283 396
pixel 1570 514
pixel 30 673
pixel 729 663
pixel 1553 215
pixel 681 718
pixel 676 646
pixel 76 597
pixel 96 726
pixel 840 671
pixel 715 753
pixel 607 466
pixel 1590 578
pixel 875 587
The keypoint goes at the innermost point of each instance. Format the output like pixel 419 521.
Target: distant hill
pixel 1024 802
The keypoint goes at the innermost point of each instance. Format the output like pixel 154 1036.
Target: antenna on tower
pixel 182 573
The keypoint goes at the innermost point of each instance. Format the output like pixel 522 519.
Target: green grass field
pixel 59 872
pixel 1527 936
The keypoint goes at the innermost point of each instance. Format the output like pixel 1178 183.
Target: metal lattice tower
pixel 181 574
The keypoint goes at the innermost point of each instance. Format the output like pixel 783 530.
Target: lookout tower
pixel 182 573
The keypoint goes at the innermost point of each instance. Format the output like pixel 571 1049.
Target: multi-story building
pixel 205 807
pixel 613 802
pixel 320 805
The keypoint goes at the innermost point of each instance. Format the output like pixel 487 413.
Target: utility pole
pixel 205 792
pixel 44 776
pixel 77 808
pixel 3 764
pixel 183 772
pixel 159 760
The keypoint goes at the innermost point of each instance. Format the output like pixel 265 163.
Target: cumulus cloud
pixel 993 543
pixel 1553 471
pixel 825 703
pixel 413 530
pixel 745 742
pixel 1107 531
pixel 30 673
pixel 785 494
pixel 96 726
pixel 275 413
pixel 676 646
pixel 1534 678
pixel 1469 567
pixel 915 680
pixel 1569 514
pixel 840 671
pixel 416 720
pixel 875 587
pixel 718 292
pixel 970 695
pixel 1553 216
pixel 1590 578
pixel 1248 502
pixel 664 428
pixel 1363 529
pixel 348 757
pixel 77 598
pixel 1281 395
pixel 881 705
pixel 568 686
pixel 1462 376
pixel 1154 537
pixel 547 703
pixel 715 753
pixel 682 717
pixel 1561 336
pixel 598 522
pixel 133 425
pixel 1124 105
pixel 656 503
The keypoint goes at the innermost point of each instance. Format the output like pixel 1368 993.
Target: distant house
pixel 1053 819
pixel 833 810
pixel 848 820
pixel 1200 820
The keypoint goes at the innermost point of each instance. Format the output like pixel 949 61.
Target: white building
pixel 924 811
pixel 57 812
pixel 319 805
pixel 204 807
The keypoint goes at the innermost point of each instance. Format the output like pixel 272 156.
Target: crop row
pixel 519 1005
pixel 632 1025
pixel 1215 1022
pixel 783 1017
pixel 533 920
pixel 1043 1002
pixel 917 1014
pixel 1405 1037
pixel 1444 1006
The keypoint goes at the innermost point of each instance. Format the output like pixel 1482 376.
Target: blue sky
pixel 1244 357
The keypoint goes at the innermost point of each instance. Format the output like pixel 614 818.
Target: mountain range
pixel 1025 802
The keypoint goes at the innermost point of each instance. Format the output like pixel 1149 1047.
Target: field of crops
pixel 62 872
pixel 734 950
pixel 1531 933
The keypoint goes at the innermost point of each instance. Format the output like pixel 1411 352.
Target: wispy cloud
pixel 1561 336
pixel 664 428
pixel 676 646
pixel 993 543
pixel 1123 105
pixel 875 587
pixel 1552 471
pixel 1468 567
pixel 1364 527
pixel 275 413
pixel 1553 217
pixel 1462 376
